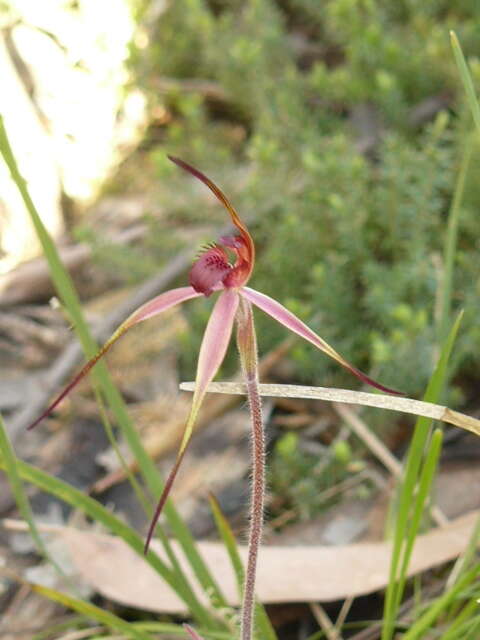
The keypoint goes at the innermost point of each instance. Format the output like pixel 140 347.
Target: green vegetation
pixel 372 238
pixel 339 128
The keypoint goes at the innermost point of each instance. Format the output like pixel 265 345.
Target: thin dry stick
pixel 377 447
pixel 81 634
pixel 392 403
pixel 344 611
pixel 324 621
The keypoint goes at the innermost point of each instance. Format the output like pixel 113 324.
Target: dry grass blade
pixel 381 401
pixel 321 616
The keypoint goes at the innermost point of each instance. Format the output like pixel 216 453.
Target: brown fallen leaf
pixel 286 574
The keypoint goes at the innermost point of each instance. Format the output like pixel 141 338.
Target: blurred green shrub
pixel 350 236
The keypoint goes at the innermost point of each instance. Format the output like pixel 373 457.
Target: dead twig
pixel 31 281
pixel 206 88
pixel 327 626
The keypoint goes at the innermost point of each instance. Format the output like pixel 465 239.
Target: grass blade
pixel 466 79
pixel 21 498
pixel 463 620
pixel 267 632
pixel 451 245
pixel 101 377
pixel 89 610
pixel 411 476
pixel 96 511
pixel 230 544
pixel 424 485
pixel 425 622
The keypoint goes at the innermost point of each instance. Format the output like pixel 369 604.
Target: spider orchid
pixel 214 272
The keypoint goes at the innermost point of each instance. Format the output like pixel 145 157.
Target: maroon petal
pixel 248 248
pixel 209 270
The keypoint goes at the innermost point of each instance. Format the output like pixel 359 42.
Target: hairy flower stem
pixel 247 346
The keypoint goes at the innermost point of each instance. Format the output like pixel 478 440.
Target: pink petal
pixel 215 342
pixel 159 304
pixel 289 320
pixel 212 352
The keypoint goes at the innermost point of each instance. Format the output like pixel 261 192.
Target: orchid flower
pixel 214 272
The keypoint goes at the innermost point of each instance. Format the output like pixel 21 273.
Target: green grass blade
pixel 449 252
pixel 425 622
pixel 411 475
pixel 425 483
pixel 229 542
pixel 97 512
pixel 93 612
pixel 58 628
pixel 462 619
pixel 101 377
pixel 70 300
pixel 169 628
pixel 180 575
pixel 267 632
pixel 185 539
pixel 21 498
pixel 466 79
pixel 137 489
pixel 467 557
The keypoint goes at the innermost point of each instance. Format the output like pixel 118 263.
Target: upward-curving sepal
pixel 245 249
pixel 155 306
pixel 212 352
pixel 289 320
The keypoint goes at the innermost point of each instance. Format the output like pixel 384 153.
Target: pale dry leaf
pixel 379 400
pixel 286 574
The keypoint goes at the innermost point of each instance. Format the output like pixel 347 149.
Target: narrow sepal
pixel 247 238
pixel 289 320
pixel 212 352
pixel 155 306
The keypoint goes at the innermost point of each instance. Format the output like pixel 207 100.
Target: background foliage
pixel 338 129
